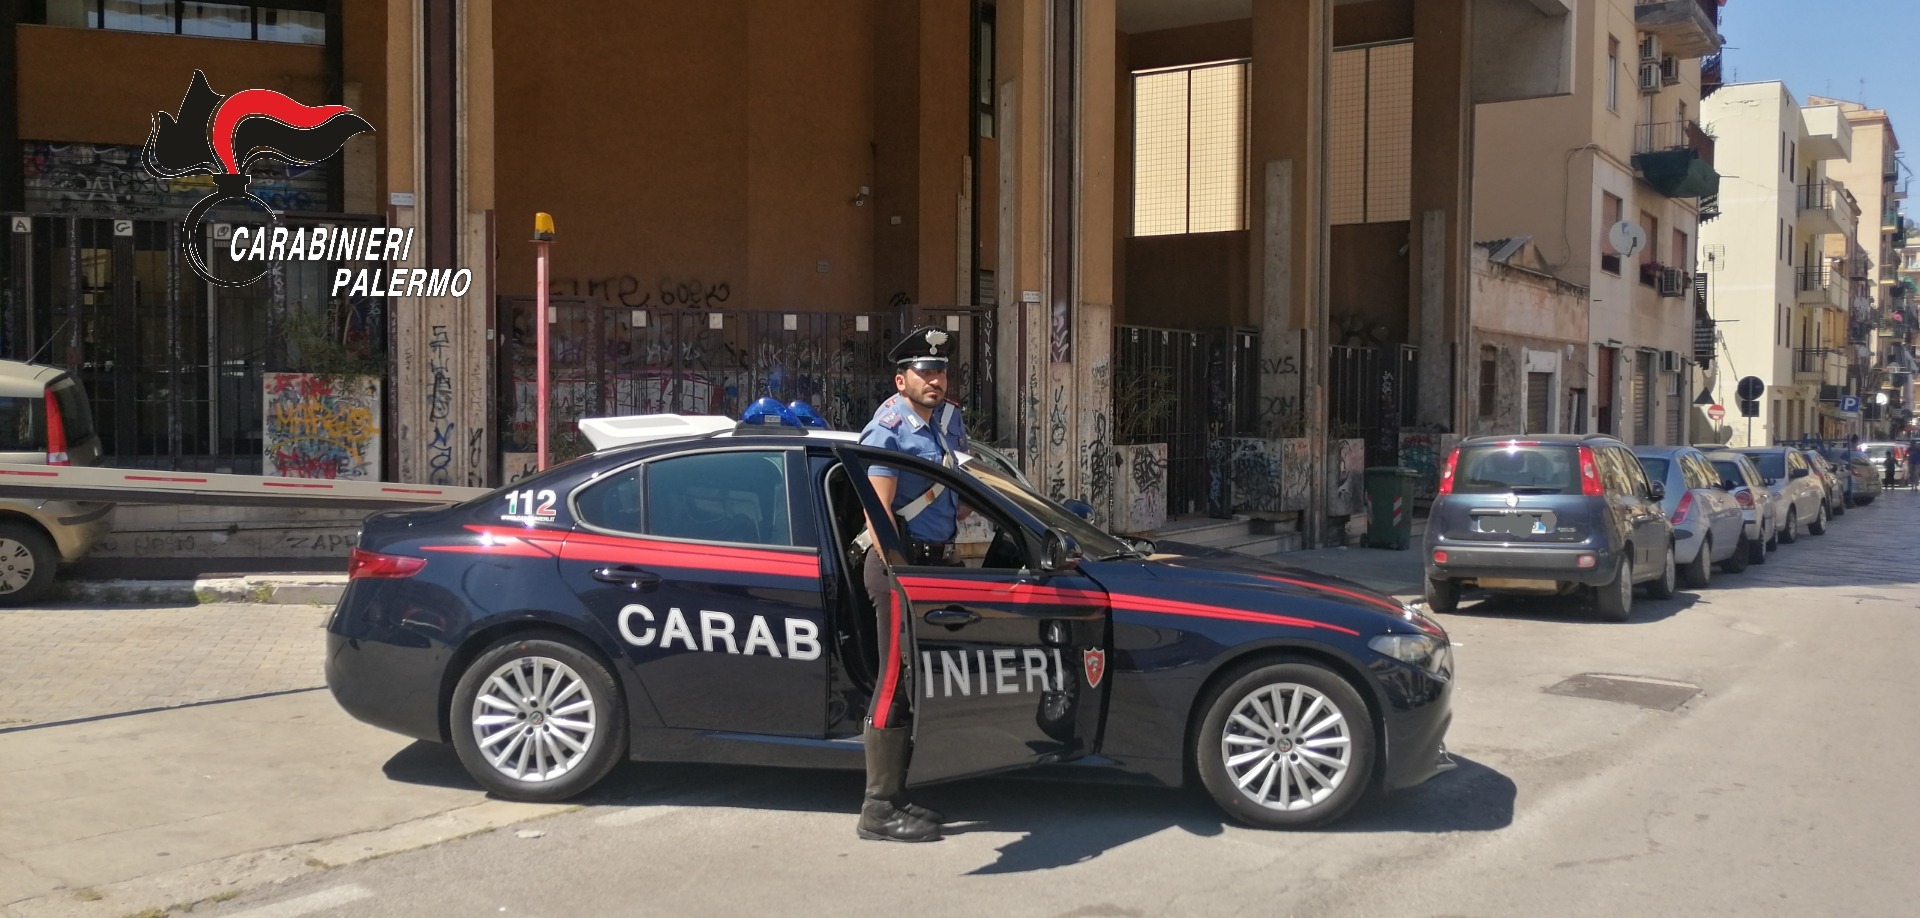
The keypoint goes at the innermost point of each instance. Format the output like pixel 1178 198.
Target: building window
pixel 1613 74
pixel 1682 252
pixel 1190 149
pixel 302 22
pixel 1370 135
pixel 984 94
pixel 1489 379
pixel 1610 208
pixel 1649 256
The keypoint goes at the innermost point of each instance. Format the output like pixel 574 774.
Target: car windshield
pixel 1655 467
pixel 1877 452
pixel 1772 465
pixel 1499 468
pixel 1094 542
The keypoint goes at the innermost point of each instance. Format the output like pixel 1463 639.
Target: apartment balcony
pixel 1890 221
pixel 1676 158
pixel 1820 287
pixel 1686 28
pixel 1829 134
pixel 1818 365
pixel 1823 209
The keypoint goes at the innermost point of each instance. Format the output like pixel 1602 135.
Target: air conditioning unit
pixel 1669 71
pixel 1649 78
pixel 1650 49
pixel 1673 282
pixel 1669 361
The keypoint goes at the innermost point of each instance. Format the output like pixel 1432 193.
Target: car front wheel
pixel 538 719
pixel 1286 746
pixel 1662 587
pixel 1791 534
pixel 27 561
pixel 1819 524
pixel 1700 571
pixel 1741 557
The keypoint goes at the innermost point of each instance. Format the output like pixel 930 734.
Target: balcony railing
pixel 1817 287
pixel 1823 207
pixel 1674 135
pixel 1810 360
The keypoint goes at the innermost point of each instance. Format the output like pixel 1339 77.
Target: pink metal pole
pixel 542 252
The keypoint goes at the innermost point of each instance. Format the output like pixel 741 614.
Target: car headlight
pixel 1432 655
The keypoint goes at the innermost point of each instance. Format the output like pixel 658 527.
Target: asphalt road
pixel 1779 787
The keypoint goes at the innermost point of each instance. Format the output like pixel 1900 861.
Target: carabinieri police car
pixel 695 595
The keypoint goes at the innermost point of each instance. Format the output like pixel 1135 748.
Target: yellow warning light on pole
pixel 542 227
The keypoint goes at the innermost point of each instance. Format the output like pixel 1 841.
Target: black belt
pixel 919 552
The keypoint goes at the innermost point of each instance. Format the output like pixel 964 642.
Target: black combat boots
pixel 882 816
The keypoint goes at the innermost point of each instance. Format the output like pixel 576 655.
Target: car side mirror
pixel 1728 486
pixel 1061 553
pixel 1659 490
pixel 1799 473
pixel 1770 482
pixel 1079 508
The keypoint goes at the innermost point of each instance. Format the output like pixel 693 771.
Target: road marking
pixel 308 904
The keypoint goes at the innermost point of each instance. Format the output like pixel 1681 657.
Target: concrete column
pixel 441 373
pixel 1292 44
pixel 1095 81
pixel 1442 218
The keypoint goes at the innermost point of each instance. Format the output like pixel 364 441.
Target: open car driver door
pixel 1006 651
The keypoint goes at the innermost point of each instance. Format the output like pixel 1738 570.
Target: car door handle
pixel 952 617
pixel 631 577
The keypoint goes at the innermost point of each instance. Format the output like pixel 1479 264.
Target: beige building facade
pixel 1626 146
pixel 1779 302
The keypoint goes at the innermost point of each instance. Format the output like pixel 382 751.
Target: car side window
pixel 1612 472
pixel 1636 477
pixel 719 497
pixel 1701 475
pixel 1795 461
pixel 611 503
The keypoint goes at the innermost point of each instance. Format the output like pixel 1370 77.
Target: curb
pixel 302 589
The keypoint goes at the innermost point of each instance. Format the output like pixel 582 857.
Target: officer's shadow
pixel 1058 821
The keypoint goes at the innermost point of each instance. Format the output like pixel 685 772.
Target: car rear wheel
pixel 1819 524
pixel 27 562
pixel 1742 555
pixel 1757 551
pixel 1286 746
pixel 1443 596
pixel 1662 587
pixel 1614 600
pixel 1700 571
pixel 538 719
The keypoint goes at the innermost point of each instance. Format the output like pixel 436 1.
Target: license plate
pixel 1515 524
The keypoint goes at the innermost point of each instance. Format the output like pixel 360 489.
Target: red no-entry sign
pixel 1715 413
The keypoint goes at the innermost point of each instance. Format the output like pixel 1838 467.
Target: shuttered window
pixel 1539 396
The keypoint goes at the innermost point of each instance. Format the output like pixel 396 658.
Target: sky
pixel 1827 48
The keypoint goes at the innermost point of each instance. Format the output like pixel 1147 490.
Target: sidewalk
pixel 1396 573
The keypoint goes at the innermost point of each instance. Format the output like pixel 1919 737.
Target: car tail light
pixel 1587 561
pixel 1446 474
pixel 1590 474
pixel 365 565
pixel 1680 512
pixel 1440 556
pixel 56 433
pixel 1744 496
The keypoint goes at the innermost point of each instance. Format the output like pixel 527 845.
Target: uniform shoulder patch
pixel 888 419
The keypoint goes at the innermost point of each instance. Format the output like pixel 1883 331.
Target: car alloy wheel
pixel 27 561
pixel 1663 586
pixel 1286 745
pixel 1700 571
pixel 1791 534
pixel 1819 524
pixel 1614 600
pixel 538 719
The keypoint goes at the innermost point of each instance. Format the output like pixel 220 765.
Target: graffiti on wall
pixel 628 290
pixel 1346 472
pixel 1423 452
pixel 322 427
pixel 93 178
pixel 1140 488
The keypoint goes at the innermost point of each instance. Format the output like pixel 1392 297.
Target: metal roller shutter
pixel 1539 396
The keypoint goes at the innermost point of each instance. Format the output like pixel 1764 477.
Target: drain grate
pixel 1647 692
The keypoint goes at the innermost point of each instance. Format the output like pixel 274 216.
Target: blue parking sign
pixel 1849 403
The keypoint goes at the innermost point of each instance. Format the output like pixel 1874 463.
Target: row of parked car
pixel 1587 514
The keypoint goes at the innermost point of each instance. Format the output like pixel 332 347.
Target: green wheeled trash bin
pixel 1390 500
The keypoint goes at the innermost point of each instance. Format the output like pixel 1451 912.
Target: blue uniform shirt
pixel 897 426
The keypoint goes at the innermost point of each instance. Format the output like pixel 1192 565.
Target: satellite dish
pixel 1627 238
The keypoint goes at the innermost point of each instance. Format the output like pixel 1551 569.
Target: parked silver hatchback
pixel 1709 525
pixel 44 420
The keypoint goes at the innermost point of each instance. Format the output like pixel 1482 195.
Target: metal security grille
pixel 1190 149
pixel 1370 134
pixel 1643 397
pixel 1183 388
pixel 1539 397
pixel 610 360
pixel 1371 396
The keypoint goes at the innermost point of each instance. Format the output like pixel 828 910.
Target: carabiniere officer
pixel 917 420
